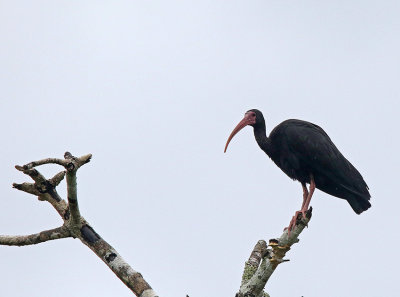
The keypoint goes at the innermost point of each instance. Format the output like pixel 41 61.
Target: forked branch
pixel 265 258
pixel 74 224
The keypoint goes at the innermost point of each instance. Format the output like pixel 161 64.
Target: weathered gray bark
pixel 74 225
pixel 265 258
pixel 261 264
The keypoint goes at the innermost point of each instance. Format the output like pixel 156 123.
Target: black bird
pixel 305 153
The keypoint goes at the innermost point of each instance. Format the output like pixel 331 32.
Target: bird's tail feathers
pixel 359 204
pixel 358 197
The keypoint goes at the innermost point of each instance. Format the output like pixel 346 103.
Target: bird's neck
pixel 263 141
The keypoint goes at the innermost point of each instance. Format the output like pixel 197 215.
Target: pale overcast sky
pixel 153 89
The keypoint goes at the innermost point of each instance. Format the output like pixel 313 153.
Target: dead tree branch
pixel 74 225
pixel 264 259
pixel 20 240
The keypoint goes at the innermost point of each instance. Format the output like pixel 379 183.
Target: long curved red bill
pixel 248 119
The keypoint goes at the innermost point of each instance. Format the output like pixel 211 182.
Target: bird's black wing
pixel 314 149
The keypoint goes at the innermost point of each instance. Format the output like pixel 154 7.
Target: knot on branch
pixel 73 163
pixel 68 155
pixel 89 235
pixel 69 165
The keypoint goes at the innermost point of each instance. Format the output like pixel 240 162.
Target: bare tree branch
pixel 261 264
pixel 72 167
pixel 20 240
pixel 66 162
pixel 44 189
pixel 263 261
pixel 44 161
pixel 251 266
pixel 74 224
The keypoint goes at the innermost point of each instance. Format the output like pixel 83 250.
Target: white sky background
pixel 153 89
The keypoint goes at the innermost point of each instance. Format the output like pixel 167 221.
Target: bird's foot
pixel 295 218
pixel 304 214
pixel 292 223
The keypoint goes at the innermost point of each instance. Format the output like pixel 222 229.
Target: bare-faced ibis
pixel 305 153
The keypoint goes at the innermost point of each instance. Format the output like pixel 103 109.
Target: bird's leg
pixel 306 203
pixel 305 194
pixel 308 200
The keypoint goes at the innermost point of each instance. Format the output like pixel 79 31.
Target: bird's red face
pixel 249 119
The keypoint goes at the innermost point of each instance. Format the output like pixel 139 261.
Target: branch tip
pixel 309 213
pixel 87 158
pixel 56 179
pixel 19 168
pixel 68 155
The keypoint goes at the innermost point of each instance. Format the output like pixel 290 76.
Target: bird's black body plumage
pixel 302 149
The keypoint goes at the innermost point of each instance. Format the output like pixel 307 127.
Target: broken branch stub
pixel 263 261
